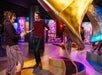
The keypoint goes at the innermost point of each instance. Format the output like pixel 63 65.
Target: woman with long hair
pixel 14 55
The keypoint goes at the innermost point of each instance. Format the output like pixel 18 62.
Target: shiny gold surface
pixel 71 13
pixel 59 5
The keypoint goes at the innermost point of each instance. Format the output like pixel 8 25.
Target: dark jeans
pixel 69 43
pixel 100 46
pixel 37 44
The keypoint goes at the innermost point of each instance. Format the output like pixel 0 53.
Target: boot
pixel 18 73
pixel 7 73
pixel 40 65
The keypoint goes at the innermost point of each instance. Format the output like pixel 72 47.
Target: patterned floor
pixel 52 51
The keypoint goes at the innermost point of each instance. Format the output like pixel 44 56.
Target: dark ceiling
pixel 22 7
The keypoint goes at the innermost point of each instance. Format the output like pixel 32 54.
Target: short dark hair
pixel 37 12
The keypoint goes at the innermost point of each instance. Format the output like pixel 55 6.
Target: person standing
pixel 14 55
pixel 82 33
pixel 68 40
pixel 98 48
pixel 39 25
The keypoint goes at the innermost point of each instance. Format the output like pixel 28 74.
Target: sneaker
pixel 40 65
pixel 35 66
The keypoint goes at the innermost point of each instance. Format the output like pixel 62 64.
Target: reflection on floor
pixel 52 51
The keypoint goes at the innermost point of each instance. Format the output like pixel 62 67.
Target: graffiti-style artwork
pixel 87 31
pixel 22 25
pixel 52 30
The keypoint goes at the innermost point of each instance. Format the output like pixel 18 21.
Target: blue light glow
pixel 98 36
pixel 47 21
pixel 27 18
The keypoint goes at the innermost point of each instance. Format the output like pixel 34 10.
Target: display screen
pixel 87 31
pixel 21 25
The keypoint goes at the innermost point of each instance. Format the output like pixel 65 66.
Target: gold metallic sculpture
pixel 70 12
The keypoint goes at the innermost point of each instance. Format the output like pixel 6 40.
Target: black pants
pixel 37 44
pixel 100 46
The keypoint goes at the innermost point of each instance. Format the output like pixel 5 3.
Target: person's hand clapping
pixel 23 34
pixel 28 31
